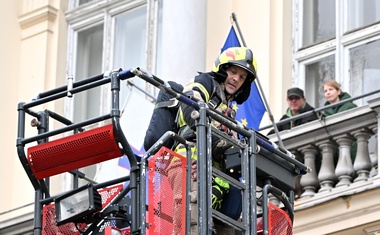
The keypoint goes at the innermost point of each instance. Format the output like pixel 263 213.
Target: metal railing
pixel 261 162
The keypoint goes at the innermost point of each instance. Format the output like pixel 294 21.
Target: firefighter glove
pixel 219 188
pixel 217 197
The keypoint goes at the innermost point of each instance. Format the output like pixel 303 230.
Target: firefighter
pixel 230 80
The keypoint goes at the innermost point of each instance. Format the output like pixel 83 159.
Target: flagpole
pixel 234 20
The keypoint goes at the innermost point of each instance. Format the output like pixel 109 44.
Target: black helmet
pixel 243 58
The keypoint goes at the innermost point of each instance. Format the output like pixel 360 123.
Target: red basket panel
pixel 279 222
pixel 73 152
pixel 166 197
pixel 108 231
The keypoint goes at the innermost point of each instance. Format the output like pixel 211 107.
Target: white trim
pixel 22 224
pixel 362 34
pixel 319 49
pixel 339 19
pixel 295 40
pixel 122 7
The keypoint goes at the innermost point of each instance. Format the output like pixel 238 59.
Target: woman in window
pixel 334 94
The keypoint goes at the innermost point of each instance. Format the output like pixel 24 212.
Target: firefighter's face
pixel 235 79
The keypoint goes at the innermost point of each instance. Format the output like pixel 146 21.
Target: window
pixel 365 69
pixel 107 35
pixel 89 63
pixel 84 1
pixel 318 21
pixel 336 40
pixel 362 13
pixel 316 73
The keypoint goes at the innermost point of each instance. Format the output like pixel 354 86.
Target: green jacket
pixel 340 108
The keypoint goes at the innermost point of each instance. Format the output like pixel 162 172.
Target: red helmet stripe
pixel 230 54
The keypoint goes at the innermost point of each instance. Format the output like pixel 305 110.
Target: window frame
pixel 340 45
pixel 93 13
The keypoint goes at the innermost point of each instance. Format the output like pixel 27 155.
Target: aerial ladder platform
pixel 142 201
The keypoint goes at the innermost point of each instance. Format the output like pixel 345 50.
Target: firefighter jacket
pixel 204 87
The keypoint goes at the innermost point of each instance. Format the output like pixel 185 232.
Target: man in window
pixel 296 105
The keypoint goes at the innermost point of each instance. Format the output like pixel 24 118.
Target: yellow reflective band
pixel 203 90
pixel 182 150
pixel 181 119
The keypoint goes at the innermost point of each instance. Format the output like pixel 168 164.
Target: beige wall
pixel 32 60
pixel 9 64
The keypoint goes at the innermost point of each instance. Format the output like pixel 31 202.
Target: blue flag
pixel 252 110
pixel 232 40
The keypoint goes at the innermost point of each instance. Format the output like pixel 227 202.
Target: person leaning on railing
pixel 296 105
pixel 333 94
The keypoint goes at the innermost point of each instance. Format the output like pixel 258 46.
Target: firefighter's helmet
pixel 243 58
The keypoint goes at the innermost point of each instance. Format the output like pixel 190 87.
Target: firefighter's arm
pixel 201 89
pixel 187 109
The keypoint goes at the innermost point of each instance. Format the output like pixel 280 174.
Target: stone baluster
pixel 375 105
pixel 344 169
pixel 298 187
pixel 309 181
pixel 326 175
pixel 362 164
pixel 375 157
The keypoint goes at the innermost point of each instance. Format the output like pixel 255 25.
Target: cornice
pixel 42 14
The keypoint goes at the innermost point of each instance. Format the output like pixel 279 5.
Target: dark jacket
pixel 340 108
pixel 209 89
pixel 297 122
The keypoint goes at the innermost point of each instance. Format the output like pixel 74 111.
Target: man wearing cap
pixel 296 105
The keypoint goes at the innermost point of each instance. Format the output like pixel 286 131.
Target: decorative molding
pixel 22 224
pixel 45 13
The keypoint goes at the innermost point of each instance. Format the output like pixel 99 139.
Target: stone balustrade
pixel 341 150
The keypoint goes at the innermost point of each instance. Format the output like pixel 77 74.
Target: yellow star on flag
pixel 235 107
pixel 244 122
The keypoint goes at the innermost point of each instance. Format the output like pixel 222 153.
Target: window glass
pixel 130 51
pixel 365 70
pixel 318 21
pixel 122 42
pixel 316 73
pixel 88 63
pixel 363 13
pixel 84 1
pixel 159 36
pixel 130 40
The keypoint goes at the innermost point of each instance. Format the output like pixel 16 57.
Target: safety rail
pixel 260 162
pixel 81 148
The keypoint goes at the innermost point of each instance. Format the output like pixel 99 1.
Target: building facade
pixel 296 43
